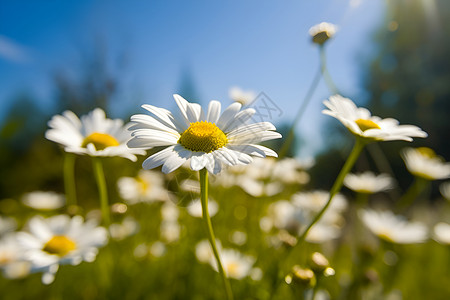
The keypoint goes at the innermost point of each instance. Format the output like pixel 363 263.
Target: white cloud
pixel 11 51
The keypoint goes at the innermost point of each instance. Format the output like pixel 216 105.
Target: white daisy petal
pixel 158 158
pixel 213 111
pixel 228 115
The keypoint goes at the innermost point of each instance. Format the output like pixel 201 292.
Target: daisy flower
pixel 147 186
pixel 444 188
pixel 424 163
pixel 12 263
pixel 322 32
pixel 208 140
pixel 94 135
pixel 40 200
pixel 7 225
pixel 244 97
pixel 60 240
pixel 441 233
pixel 235 264
pixel 361 123
pixel 195 208
pixel 393 228
pixel 368 182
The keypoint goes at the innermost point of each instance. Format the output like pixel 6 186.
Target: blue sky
pixel 257 45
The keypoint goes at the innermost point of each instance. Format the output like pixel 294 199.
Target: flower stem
pixel 101 183
pixel 285 148
pixel 211 237
pixel 413 192
pixel 356 151
pixel 326 75
pixel 69 179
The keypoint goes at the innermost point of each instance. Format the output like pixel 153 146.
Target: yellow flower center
pixel 203 137
pixel 232 269
pixel 59 245
pixel 366 124
pixel 143 184
pixel 427 152
pixel 385 235
pixel 100 141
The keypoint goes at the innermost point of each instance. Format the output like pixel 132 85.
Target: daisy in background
pixel 12 263
pixel 444 188
pixel 394 228
pixel 208 139
pixel 361 123
pixel 369 183
pixel 40 200
pixel 244 97
pixel 7 225
pixel 441 233
pixel 195 208
pixel 322 32
pixel 293 216
pixel 424 163
pixel 147 186
pixel 94 135
pixel 366 128
pixel 60 240
pixel 236 264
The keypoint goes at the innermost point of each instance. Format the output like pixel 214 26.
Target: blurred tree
pixel 407 80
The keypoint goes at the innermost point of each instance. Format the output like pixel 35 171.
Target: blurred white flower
pixel 441 233
pixel 94 135
pixel 195 208
pixel 7 225
pixel 244 97
pixel 320 33
pixel 120 231
pixel 424 163
pixel 207 139
pixel 258 188
pixel 60 240
pixel 445 190
pixel 170 212
pixel 203 251
pixel 361 123
pixel 158 249
pixel 12 263
pixel 322 232
pixel 235 264
pixel 293 216
pixel 170 228
pixel 191 185
pixel 291 170
pixel 147 186
pixel 256 274
pixel 264 177
pixel 238 238
pixel 368 183
pixel 40 200
pixel 393 228
pixel 314 201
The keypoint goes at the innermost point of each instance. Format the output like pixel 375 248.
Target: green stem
pixel 101 183
pixel 69 179
pixel 326 75
pixel 413 192
pixel 290 137
pixel 211 237
pixel 357 148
